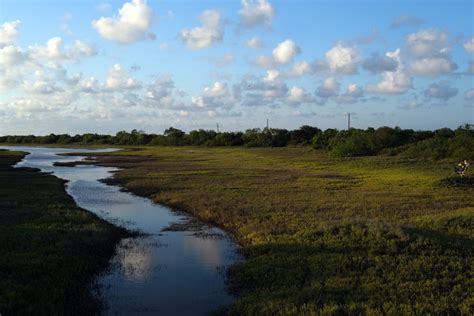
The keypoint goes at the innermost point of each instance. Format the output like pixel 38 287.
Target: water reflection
pixel 170 273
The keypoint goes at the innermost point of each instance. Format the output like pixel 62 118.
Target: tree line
pixel 438 144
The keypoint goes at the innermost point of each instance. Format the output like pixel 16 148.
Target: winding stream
pixel 164 273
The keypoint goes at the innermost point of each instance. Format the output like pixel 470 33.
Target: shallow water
pixel 165 273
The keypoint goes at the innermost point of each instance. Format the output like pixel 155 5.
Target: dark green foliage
pixel 442 143
pixel 50 249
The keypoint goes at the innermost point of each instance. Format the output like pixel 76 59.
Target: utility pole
pixel 349 121
pixel 218 127
pixel 267 123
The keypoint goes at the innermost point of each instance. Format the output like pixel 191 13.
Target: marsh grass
pixel 50 248
pixel 322 235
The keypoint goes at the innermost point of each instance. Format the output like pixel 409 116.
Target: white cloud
pixel 132 23
pixel 161 93
pixel 432 66
pixel 12 56
pixel 428 43
pixel 256 13
pixel 204 36
pixel 215 96
pixel 343 59
pixel 9 32
pixel 352 94
pixel 272 75
pixel 300 69
pixel 328 88
pixel 441 90
pixel 469 45
pixel 117 79
pixel 285 51
pixel 298 95
pixel 396 82
pixel 52 51
pixel 254 42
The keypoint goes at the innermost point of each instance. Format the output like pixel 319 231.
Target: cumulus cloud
pixel 328 88
pixel 406 20
pixel 282 54
pixel 269 90
pixel 343 59
pixel 298 95
pixel 53 51
pixel 441 90
pixel 204 36
pixel 432 66
pixel 132 23
pixel 396 82
pixel 213 97
pixel 117 79
pixel 12 56
pixel 254 42
pixel 393 82
pixel 428 43
pixel 9 32
pixel 285 51
pixel 352 94
pixel 256 13
pixel 431 51
pixel 161 93
pixel 376 63
pixel 469 45
pixel 300 69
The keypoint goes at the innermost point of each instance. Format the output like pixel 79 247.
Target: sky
pixel 104 66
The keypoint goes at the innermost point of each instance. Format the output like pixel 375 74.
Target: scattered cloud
pixel 406 20
pixel 132 23
pixel 428 43
pixel 255 13
pixel 343 59
pixel 352 94
pixel 440 90
pixel 377 64
pixel 328 88
pixel 9 32
pixel 432 66
pixel 285 52
pixel 254 42
pixel 206 35
pixel 469 45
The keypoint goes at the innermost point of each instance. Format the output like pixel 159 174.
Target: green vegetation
pixel 324 235
pixel 50 249
pixel 442 143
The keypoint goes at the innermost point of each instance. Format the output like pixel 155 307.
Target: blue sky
pixel 98 66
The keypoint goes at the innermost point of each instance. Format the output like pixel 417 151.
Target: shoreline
pixel 74 239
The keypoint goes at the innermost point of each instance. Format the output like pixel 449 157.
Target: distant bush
pixel 438 144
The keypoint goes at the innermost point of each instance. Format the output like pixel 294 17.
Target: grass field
pixel 323 235
pixel 50 249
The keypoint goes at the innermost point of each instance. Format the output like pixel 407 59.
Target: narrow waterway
pixel 164 273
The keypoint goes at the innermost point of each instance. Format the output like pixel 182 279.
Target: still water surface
pixel 164 273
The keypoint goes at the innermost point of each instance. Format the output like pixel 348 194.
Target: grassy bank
pixel 50 249
pixel 323 235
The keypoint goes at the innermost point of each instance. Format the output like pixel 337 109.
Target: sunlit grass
pixel 321 234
